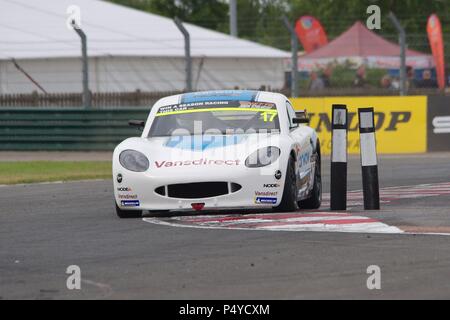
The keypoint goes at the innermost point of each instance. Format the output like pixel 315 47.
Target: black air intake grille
pixel 198 190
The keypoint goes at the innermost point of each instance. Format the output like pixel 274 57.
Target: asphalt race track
pixel 45 228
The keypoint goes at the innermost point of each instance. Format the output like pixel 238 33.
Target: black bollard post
pixel 369 161
pixel 338 191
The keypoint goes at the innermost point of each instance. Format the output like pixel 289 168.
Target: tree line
pixel 260 20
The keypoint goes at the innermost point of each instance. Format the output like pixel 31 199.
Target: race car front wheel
pixel 290 192
pixel 128 214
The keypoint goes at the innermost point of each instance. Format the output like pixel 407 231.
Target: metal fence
pixel 99 99
pixel 120 100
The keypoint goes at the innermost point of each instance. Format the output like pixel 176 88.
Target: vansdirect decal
pixel 128 196
pixel 266 193
pixel 130 203
pixel 199 162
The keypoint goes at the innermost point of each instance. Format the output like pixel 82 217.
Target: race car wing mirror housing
pixel 137 123
pixel 301 120
pixel 301 117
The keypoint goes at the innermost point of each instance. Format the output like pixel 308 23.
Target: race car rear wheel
pixel 315 199
pixel 128 214
pixel 290 192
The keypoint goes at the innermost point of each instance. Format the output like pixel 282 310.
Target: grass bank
pixel 48 171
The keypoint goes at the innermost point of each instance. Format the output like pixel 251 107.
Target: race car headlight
pixel 263 157
pixel 134 161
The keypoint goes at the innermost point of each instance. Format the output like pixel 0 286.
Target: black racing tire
pixel 128 214
pixel 290 191
pixel 315 199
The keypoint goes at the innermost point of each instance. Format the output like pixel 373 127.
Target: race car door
pixel 303 148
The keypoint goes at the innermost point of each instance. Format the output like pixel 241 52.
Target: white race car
pixel 219 150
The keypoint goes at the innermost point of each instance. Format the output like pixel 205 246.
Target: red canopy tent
pixel 359 45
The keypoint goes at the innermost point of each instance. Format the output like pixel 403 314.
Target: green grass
pixel 48 171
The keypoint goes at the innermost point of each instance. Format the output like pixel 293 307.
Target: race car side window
pixel 291 115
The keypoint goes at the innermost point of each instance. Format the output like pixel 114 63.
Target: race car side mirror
pixel 301 117
pixel 137 123
pixel 301 120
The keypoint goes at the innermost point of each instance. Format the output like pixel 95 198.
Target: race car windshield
pixel 221 117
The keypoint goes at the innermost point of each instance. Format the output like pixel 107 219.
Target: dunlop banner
pixel 401 122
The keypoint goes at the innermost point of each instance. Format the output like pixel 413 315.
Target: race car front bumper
pixel 227 188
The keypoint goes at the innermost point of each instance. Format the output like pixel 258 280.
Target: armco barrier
pixel 66 129
pixel 401 122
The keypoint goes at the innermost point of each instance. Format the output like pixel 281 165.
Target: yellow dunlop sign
pixel 401 122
